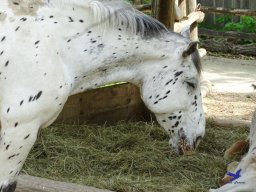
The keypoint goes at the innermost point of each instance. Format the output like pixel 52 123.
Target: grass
pixel 129 157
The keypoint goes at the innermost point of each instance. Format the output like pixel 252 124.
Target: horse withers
pixel 51 49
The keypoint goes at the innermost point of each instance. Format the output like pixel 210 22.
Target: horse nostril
pixel 180 151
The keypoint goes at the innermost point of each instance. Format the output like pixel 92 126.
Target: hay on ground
pixel 129 157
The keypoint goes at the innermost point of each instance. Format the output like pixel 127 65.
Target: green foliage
pixel 224 23
pixel 247 24
pixel 224 19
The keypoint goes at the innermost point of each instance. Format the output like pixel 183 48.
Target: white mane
pixel 109 13
pixel 105 14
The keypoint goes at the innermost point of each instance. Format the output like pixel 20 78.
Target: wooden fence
pixel 230 42
pixel 107 104
pixel 210 18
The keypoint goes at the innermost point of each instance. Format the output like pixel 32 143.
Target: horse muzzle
pixel 185 148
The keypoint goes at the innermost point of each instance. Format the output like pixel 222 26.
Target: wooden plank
pixel 28 183
pixel 221 10
pixel 228 3
pixel 193 17
pixel 209 18
pixel 193 28
pixel 183 7
pixel 246 4
pixel 108 104
pixel 252 4
pixel 218 3
pixel 228 34
pixel 192 5
pixel 236 5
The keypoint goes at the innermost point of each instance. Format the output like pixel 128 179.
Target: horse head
pixel 173 94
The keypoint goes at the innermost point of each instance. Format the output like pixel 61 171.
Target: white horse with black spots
pixel 51 49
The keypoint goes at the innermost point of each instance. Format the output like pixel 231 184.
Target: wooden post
pixel 164 11
pixel 183 7
pixel 192 6
pixel 155 8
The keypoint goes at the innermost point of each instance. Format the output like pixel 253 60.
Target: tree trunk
pixel 164 11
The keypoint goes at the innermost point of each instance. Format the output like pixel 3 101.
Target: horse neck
pixel 114 57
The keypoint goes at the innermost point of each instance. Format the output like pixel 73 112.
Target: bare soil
pixel 233 106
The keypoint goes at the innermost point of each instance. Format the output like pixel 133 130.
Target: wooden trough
pixel 105 105
pixel 36 184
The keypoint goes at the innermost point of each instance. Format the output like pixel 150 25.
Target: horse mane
pixel 117 13
pixel 120 13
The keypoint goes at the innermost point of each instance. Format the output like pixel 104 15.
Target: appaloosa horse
pixel 51 49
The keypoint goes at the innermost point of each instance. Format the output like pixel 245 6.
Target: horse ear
pixel 191 49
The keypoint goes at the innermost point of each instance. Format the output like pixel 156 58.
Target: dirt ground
pixel 235 106
pixel 232 95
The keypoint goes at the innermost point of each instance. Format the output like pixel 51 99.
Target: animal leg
pixel 237 149
pixel 15 143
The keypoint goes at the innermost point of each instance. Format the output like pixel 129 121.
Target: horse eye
pixel 191 84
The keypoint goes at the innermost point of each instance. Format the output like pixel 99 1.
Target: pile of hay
pixel 129 157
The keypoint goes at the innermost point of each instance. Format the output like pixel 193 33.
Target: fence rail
pixel 220 10
pixel 206 9
pixel 238 4
pixel 211 17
